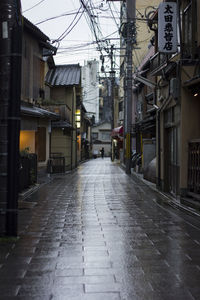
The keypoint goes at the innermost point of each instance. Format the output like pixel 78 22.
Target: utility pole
pixel 131 8
pixel 10 92
pixel 112 84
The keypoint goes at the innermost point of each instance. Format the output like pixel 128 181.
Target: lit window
pixel 78 118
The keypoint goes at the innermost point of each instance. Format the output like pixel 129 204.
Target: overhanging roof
pixel 64 75
pixel 61 124
pixel 192 81
pixel 43 39
pixel 38 112
pixel 34 30
pixel 117 132
pixel 146 124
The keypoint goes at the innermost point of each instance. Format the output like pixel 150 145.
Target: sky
pixel 77 44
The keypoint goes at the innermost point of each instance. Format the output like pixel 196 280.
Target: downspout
pixel 50 141
pixel 74 93
pixel 72 131
pixel 161 108
pixel 159 156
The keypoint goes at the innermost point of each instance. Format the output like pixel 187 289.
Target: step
pixel 190 202
pixel 194 195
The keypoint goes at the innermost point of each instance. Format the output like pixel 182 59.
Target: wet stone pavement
pixel 99 234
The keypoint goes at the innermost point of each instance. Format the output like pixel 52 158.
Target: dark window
pixel 95 136
pixel 189 22
pixel 105 135
pixel 121 106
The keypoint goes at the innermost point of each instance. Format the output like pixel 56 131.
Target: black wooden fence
pixel 28 171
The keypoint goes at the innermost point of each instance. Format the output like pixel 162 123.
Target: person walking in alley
pixel 102 152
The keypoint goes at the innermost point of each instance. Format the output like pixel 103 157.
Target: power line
pixel 68 30
pixel 56 17
pixel 113 15
pixel 33 6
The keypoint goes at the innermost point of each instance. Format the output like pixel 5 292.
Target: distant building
pixel 65 89
pixel 90 88
pixel 101 138
pixel 105 107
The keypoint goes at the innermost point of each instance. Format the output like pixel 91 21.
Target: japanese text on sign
pixel 167 27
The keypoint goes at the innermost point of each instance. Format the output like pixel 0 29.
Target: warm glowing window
pixel 78 118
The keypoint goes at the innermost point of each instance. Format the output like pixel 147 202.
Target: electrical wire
pixel 68 30
pixel 113 16
pixel 33 6
pixel 56 17
pixel 92 11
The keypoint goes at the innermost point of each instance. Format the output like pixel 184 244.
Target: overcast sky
pixel 73 48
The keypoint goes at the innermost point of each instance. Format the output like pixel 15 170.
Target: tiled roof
pixel 38 112
pixel 61 124
pixel 64 75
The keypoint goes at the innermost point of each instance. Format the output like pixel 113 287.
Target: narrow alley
pixel 98 234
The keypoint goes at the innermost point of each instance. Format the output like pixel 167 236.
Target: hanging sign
pixel 167 27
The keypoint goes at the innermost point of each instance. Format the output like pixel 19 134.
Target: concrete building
pixel 142 42
pixel 101 138
pixel 90 88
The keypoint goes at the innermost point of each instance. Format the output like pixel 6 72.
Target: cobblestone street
pixel 99 234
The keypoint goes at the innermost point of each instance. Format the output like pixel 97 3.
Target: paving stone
pixel 102 288
pixel 92 296
pixel 102 279
pixel 99 234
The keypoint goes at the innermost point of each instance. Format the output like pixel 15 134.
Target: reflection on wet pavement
pixel 98 234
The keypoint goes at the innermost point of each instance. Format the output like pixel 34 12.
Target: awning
pixel 61 124
pixel 146 125
pixel 117 132
pixel 38 112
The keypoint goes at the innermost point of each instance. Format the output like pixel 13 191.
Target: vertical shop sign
pixel 167 27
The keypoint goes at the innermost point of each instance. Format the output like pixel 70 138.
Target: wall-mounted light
pixel 78 118
pixel 194 89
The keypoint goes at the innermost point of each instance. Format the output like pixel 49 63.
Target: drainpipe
pixel 159 156
pixel 72 131
pixel 71 146
pixel 161 108
pixel 74 111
